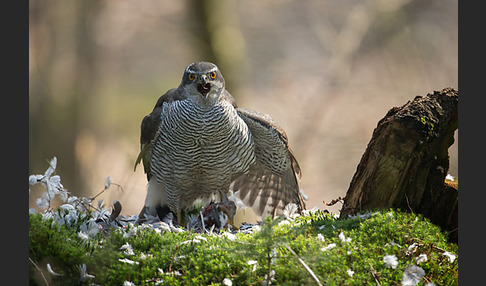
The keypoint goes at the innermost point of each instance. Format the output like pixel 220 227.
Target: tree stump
pixel 406 162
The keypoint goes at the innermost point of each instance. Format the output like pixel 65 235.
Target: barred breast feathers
pixel 149 127
pixel 200 146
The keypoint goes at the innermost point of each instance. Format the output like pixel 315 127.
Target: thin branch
pixel 408 204
pixel 304 264
pixel 202 222
pixel 173 256
pixel 269 266
pixel 101 192
pixel 431 245
pixel 373 272
pixel 37 267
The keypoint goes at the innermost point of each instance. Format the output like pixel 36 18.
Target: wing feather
pixel 148 129
pixel 272 181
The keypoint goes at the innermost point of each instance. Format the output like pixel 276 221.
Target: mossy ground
pixel 187 258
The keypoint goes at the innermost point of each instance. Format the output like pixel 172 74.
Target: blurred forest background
pixel 326 71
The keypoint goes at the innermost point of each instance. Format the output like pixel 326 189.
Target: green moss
pixel 58 246
pixel 177 259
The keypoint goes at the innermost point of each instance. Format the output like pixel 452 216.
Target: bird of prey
pixel 197 145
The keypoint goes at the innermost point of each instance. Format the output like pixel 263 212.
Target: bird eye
pixel 192 76
pixel 212 75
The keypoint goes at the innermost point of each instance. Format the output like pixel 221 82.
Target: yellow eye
pixel 212 75
pixel 192 76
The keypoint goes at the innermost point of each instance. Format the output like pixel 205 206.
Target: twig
pixel 98 194
pixel 303 263
pixel 373 272
pixel 408 204
pixel 42 274
pixel 431 245
pixel 172 260
pixel 202 222
pixel 269 266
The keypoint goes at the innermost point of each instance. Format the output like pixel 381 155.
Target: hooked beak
pixel 204 86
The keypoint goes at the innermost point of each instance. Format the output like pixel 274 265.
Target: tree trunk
pixel 406 162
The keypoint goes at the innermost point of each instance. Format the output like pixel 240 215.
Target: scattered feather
pixel 89 220
pixel 63 194
pixel 329 246
pixel 304 195
pixel 254 263
pixel 227 282
pixel 421 258
pixel 229 236
pixel 52 167
pixel 365 215
pixel 90 227
pixel 164 227
pixel 291 211
pixel 449 255
pixel 83 236
pixel 412 275
pixel 34 179
pixel 128 250
pixel 126 260
pixel 266 280
pixel 391 261
pixel 42 202
pixel 310 211
pixel 196 239
pixel 411 248
pixel 52 184
pixel 350 272
pixel 107 182
pixel 284 222
pixel 343 238
pixel 84 275
pixel 49 269
pixel 130 232
pixel 394 244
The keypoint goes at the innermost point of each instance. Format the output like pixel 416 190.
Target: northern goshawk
pixel 197 144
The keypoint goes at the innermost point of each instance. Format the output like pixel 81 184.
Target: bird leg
pixel 141 217
pixel 179 217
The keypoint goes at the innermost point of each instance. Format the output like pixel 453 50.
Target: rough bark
pixel 406 162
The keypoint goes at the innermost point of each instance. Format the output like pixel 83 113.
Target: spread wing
pixel 272 181
pixel 149 127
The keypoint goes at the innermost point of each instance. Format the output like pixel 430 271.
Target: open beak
pixel 204 86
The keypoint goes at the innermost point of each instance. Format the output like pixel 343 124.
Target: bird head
pixel 203 80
